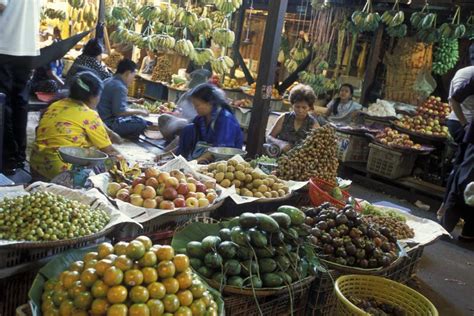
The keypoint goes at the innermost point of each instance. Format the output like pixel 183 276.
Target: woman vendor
pixel 291 128
pixel 215 125
pixel 70 122
pixel 91 60
pixel 148 63
pixel 343 109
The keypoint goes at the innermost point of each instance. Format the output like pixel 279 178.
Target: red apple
pixel 211 197
pixel 179 202
pixel 192 202
pixel 151 172
pixel 182 181
pixel 166 205
pixel 180 196
pixel 203 202
pixel 177 174
pixel 172 182
pixel 150 203
pixel 137 181
pixel 123 185
pixel 163 176
pixel 159 199
pixel 160 189
pixel 170 194
pixel 148 193
pixel 191 195
pixel 152 182
pixel 123 195
pixel 138 189
pixel 191 180
pixel 200 187
pixel 191 187
pixel 183 189
pixel 200 195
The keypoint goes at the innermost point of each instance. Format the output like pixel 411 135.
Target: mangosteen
pixel 373 263
pixel 377 253
pixel 371 233
pixel 309 220
pixel 331 223
pixel 369 247
pixel 325 205
pixel 341 261
pixel 355 233
pixel 314 240
pixel 350 260
pixel 363 229
pixel 386 247
pixel 341 252
pixel 385 261
pixel 316 232
pixel 350 223
pixel 343 229
pixel 351 249
pixel 359 243
pixel 360 254
pixel 322 217
pixel 322 225
pixel 334 233
pixel 350 213
pixel 312 212
pixel 337 242
pixel 326 238
pixel 341 219
pixel 357 221
pixel 377 242
pixel 347 240
pixel 328 249
pixel 385 231
pixel 332 214
pixel 363 263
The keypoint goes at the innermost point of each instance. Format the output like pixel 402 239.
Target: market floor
pixel 446 270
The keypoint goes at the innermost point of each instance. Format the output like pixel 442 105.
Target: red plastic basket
pixel 318 193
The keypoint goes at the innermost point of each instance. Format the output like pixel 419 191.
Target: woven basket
pixel 383 290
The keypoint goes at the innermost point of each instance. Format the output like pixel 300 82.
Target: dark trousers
pixel 14 84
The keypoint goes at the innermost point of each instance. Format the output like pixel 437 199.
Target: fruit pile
pixel 254 251
pixel 165 190
pixel 374 307
pixel 113 59
pixel 162 70
pixel 247 181
pixel 44 216
pixel 395 139
pixel 243 103
pixel 230 83
pixel 399 229
pixel 343 237
pixel 157 107
pixel 135 278
pixel 275 94
pixel 315 157
pixel 435 109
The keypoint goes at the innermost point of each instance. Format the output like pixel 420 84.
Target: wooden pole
pixel 372 63
pixel 266 76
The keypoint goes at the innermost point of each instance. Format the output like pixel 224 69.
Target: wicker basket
pixel 388 163
pixel 383 290
pixel 352 148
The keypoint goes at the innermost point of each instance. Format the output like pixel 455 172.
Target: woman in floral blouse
pixel 91 59
pixel 70 122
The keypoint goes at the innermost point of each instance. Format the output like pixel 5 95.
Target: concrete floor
pixel 446 271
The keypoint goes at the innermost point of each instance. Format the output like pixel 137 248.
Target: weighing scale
pixel 83 160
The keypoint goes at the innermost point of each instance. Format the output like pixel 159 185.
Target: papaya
pixel 253 282
pixel 286 277
pixel 283 219
pixel 267 265
pixel 232 267
pixel 239 236
pixel 235 281
pixel 224 234
pixel 233 222
pixel 276 239
pixel 205 272
pixel 195 263
pixel 272 280
pixel 296 215
pixel 257 238
pixel 283 263
pixel 267 252
pixel 210 243
pixel 213 260
pixel 227 249
pixel 244 253
pixel 248 220
pixel 249 268
pixel 219 278
pixel 194 250
pixel 267 223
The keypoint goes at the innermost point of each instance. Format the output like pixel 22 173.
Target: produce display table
pixel 154 90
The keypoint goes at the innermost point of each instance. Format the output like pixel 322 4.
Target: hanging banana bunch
pixel 186 18
pixel 184 47
pixel 168 14
pixel 201 56
pixel 217 18
pixel 203 26
pixel 445 56
pixel 222 65
pixel 228 6
pixel 455 29
pixel 394 17
pixel 470 28
pixel 149 14
pixel 425 23
pixel 223 37
pixel 366 20
pixel 299 52
pixel 291 65
pixel 163 41
pixel 76 4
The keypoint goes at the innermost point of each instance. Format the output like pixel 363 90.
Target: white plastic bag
pixel 469 194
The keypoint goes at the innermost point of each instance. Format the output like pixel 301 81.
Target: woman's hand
pixel 115 138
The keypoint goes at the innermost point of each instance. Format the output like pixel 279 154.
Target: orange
pixel 206 298
pixel 111 257
pixel 99 306
pixel 145 241
pixel 181 262
pixel 123 263
pixel 185 280
pixel 156 290
pixel 47 304
pixel 102 265
pixel 90 255
pixel 135 250
pixel 171 285
pixel 148 260
pixel 166 269
pixel 77 266
pixel 88 277
pixel 120 248
pixel 99 289
pixel 133 277
pixel 185 297
pixel 69 277
pixel 50 284
pixel 117 294
pixel 165 253
pixel 59 297
pixel 183 311
pixel 150 275
pixel 212 311
pixel 198 308
pixel 139 294
pixel 83 300
pixel 198 289
pixel 139 310
pixel 113 276
pixel 105 249
pixel 117 310
pixel 156 307
pixel 76 288
pixel 66 307
pixel 90 264
pixel 171 303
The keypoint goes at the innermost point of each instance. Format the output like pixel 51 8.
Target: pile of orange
pixel 128 279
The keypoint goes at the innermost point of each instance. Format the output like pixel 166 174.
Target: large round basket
pixel 382 290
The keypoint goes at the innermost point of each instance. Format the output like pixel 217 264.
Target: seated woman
pixel 343 109
pixel 291 128
pixel 215 125
pixel 70 122
pixel 148 63
pixel 91 59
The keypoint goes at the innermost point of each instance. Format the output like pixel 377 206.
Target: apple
pixel 123 195
pixel 159 199
pixel 151 172
pixel 152 182
pixel 192 202
pixel 200 187
pixel 183 189
pixel 191 195
pixel 210 184
pixel 137 181
pixel 163 176
pixel 148 193
pixel 160 189
pixel 136 200
pixel 200 195
pixel 179 202
pixel 123 185
pixel 150 203
pixel 191 187
pixel 177 174
pixel 172 182
pixel 166 205
pixel 180 196
pixel 138 188
pixel 170 194
pixel 192 180
pixel 113 188
pixel 211 197
pixel 182 181
pixel 203 202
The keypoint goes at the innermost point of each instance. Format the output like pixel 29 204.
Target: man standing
pixel 19 31
pixel 113 108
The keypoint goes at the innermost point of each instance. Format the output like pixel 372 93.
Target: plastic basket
pixel 352 148
pixel 388 163
pixel 318 193
pixel 381 289
pixel 242 117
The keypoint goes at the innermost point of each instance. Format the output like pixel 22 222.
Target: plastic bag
pixel 425 83
pixel 469 194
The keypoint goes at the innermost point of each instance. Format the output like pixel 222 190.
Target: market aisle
pixel 445 275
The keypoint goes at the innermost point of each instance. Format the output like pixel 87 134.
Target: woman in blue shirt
pixel 215 125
